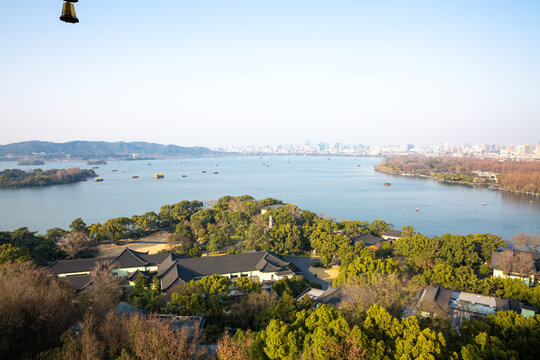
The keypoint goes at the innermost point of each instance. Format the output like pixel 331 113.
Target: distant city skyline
pixel 218 74
pixel 508 151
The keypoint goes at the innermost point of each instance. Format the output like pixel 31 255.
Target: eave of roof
pixel 76 265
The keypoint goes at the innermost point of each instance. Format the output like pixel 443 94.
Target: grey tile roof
pixel 156 258
pixel 257 260
pixel 186 269
pixel 78 282
pixel 173 276
pixel 134 275
pixel 436 296
pixel 368 239
pixel 333 296
pixel 441 297
pixel 128 258
pixel 77 265
pixel 173 267
pixel 167 263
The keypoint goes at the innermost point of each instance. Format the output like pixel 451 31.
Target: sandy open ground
pixel 152 243
pixel 325 274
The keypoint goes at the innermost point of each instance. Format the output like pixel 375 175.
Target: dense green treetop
pixel 14 178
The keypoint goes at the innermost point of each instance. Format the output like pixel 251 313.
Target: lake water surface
pixel 339 187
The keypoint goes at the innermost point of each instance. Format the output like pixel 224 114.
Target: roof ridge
pixel 132 253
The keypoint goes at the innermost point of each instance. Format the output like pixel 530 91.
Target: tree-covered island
pixel 16 178
pixel 508 175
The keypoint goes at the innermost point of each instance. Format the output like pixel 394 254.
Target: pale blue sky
pixel 231 72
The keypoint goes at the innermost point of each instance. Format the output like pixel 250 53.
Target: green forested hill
pixel 101 149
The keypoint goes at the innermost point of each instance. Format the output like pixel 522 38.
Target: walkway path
pixel 303 263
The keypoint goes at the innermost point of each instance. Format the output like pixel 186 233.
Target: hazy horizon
pixel 298 143
pixel 217 74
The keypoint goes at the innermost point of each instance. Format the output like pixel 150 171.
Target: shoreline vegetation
pixel 513 176
pixel 17 178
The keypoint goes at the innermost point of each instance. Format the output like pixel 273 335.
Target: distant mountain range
pixel 99 150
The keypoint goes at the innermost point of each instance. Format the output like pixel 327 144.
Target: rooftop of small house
pixel 477 304
pixel 368 239
pixel 333 296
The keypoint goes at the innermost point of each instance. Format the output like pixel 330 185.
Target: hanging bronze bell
pixel 68 13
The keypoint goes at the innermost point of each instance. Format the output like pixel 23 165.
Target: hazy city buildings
pixel 521 151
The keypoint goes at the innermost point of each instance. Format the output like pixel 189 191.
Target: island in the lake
pixel 507 175
pixel 15 178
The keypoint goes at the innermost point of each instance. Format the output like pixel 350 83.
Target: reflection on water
pixel 522 200
pixel 344 188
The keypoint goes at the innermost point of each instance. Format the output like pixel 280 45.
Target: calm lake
pixel 338 187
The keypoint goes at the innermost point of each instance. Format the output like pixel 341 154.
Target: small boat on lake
pixel 184 176
pixel 114 170
pixel 135 177
pixel 215 172
pixel 98 179
pixel 159 176
pixel 204 172
pixel 387 184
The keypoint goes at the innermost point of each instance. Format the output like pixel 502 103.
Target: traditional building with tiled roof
pixel 173 269
pixel 368 240
pixel 128 261
pixel 261 265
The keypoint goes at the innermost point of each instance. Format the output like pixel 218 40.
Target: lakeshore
pixel 520 177
pixel 342 188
